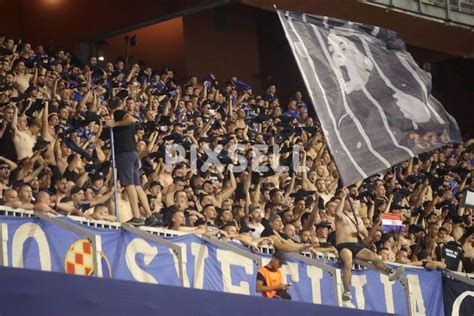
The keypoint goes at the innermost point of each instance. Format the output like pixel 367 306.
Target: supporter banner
pixel 370 289
pixel 458 297
pixel 128 256
pixel 373 291
pixel 36 244
pixel 212 268
pixel 373 101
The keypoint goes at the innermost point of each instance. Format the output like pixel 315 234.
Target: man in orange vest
pixel 270 279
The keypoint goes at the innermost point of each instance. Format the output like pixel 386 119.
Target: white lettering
pixel 136 246
pixel 200 253
pixel 24 232
pixel 4 245
pixel 290 269
pixel 358 282
pixel 457 303
pixel 388 291
pixel 315 274
pixel 227 259
pixel 415 294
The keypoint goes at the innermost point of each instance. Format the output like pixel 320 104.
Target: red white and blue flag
pixel 392 222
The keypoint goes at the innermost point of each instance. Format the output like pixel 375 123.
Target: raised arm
pixel 241 98
pixel 54 92
pixel 84 99
pixel 290 187
pixel 95 102
pixel 389 203
pixel 15 118
pixel 369 236
pixel 45 126
pixel 35 77
pixel 312 218
pixel 128 119
pixel 340 207
pixel 230 190
pixel 33 174
pixel 304 175
pixel 10 163
pixel 255 196
pixel 100 153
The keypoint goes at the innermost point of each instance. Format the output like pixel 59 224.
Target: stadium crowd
pixel 55 157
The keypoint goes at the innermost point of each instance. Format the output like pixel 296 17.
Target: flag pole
pixel 114 171
pixel 355 216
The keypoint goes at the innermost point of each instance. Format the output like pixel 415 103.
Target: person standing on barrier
pixel 351 235
pixel 128 161
pixel 270 279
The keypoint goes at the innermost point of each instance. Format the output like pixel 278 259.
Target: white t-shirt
pixel 258 230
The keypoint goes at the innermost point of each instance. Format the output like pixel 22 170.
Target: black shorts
pixel 128 165
pixel 352 246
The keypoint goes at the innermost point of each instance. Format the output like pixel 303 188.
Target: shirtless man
pixel 349 228
pixel 25 193
pixel 24 135
pixel 11 199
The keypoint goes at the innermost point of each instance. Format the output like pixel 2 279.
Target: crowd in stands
pixel 55 158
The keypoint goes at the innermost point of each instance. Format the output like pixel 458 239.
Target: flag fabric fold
pixel 373 101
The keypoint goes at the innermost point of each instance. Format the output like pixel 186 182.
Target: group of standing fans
pixel 55 157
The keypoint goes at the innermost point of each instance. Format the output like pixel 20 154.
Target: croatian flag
pixel 392 222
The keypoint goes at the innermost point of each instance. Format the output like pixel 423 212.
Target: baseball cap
pixel 97 176
pixel 323 224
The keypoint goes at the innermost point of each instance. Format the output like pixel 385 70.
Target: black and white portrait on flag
pixel 372 99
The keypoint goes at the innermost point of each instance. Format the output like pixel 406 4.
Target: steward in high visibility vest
pixel 270 279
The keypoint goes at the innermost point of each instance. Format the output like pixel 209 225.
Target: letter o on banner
pixel 24 232
pixel 457 303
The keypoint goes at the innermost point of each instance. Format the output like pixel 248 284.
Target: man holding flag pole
pixel 127 162
pixel 351 238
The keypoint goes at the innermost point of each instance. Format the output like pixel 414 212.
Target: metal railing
pixel 464 6
pixel 454 12
pixel 8 211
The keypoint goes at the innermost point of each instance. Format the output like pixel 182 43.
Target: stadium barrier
pixel 170 240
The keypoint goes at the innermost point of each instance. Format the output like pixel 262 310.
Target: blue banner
pixel 127 256
pixel 36 244
pixel 458 296
pixel 309 283
pixel 373 291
